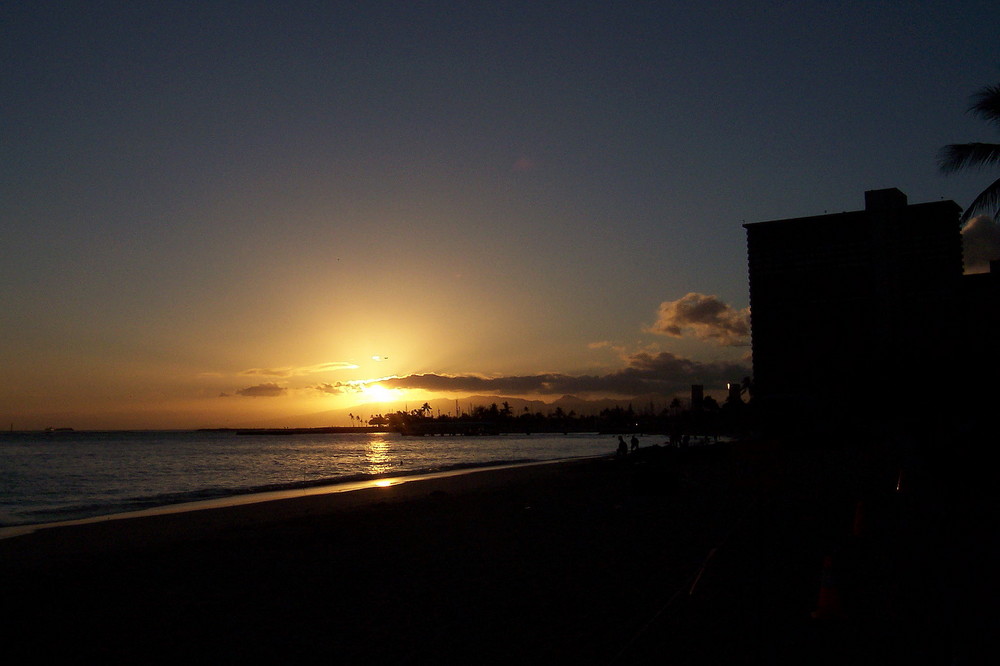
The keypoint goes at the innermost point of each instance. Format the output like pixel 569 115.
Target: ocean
pixel 58 476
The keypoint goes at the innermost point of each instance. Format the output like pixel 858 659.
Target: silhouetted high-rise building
pixel 734 392
pixel 697 397
pixel 857 311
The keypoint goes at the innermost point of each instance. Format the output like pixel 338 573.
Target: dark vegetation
pixel 707 419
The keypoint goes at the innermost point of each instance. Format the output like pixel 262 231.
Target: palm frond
pixel 988 202
pixel 958 156
pixel 986 104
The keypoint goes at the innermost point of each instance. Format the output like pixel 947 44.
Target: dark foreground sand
pixel 711 557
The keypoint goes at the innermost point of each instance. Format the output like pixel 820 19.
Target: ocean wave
pixel 77 511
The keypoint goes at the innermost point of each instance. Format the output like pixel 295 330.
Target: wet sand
pixel 714 556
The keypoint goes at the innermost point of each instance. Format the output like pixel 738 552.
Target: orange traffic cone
pixel 828 605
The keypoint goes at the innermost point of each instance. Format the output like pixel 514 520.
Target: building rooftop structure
pixel 861 312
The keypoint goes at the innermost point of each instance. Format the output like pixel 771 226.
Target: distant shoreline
pixel 291 491
pixel 335 430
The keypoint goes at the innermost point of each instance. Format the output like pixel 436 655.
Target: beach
pixel 711 555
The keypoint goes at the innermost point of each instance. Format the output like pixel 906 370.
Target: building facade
pixel 856 312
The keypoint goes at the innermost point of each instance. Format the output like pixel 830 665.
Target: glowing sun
pixel 378 393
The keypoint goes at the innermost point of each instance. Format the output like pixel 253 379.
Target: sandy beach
pixel 705 556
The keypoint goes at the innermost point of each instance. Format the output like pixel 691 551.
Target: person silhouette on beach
pixel 635 442
pixel 622 447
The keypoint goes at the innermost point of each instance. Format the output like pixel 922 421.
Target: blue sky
pixel 228 211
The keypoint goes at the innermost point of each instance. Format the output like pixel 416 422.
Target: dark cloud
pixel 706 317
pixel 981 243
pixel 669 373
pixel 268 390
pixel 646 374
pixel 461 383
pixel 338 388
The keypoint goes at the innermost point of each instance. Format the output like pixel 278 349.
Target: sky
pixel 237 213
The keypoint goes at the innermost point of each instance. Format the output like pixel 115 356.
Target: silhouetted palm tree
pixel 959 156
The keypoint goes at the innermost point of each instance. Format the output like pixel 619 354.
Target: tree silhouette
pixel 959 156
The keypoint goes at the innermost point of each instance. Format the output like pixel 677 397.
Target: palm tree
pixel 959 156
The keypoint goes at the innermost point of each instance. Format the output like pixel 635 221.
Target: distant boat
pixel 58 430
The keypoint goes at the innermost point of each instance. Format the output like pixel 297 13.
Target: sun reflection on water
pixel 377 455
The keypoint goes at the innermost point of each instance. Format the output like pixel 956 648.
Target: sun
pixel 379 393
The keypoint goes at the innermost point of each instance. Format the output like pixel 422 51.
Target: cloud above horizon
pixel 980 243
pixel 342 387
pixel 706 318
pixel 302 370
pixel 646 373
pixel 267 390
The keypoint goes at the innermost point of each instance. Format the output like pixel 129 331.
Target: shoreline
pixel 79 485
pixel 707 558
pixel 516 561
pixel 284 492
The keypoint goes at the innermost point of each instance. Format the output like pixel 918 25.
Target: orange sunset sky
pixel 244 214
